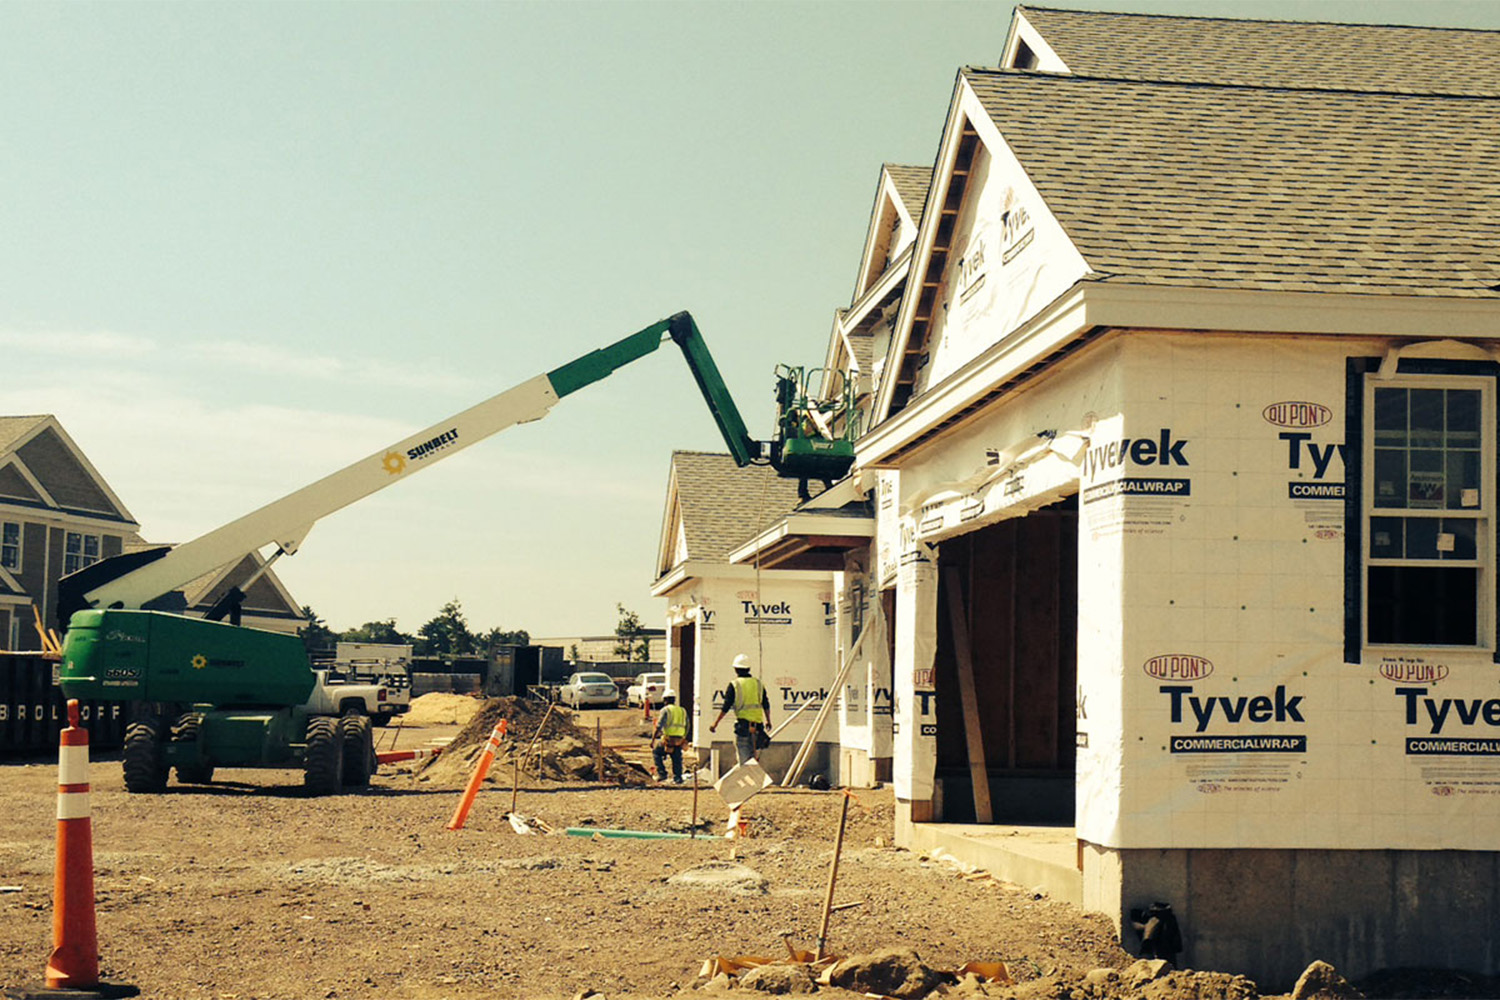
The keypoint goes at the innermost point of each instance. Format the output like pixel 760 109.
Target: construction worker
pixel 752 710
pixel 671 731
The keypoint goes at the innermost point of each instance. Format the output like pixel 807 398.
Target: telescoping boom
pixel 136 579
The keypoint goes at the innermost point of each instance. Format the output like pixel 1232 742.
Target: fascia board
pixel 838 344
pixel 885 193
pixel 1054 326
pixel 802 524
pixel 57 517
pixel 280 588
pixel 1237 310
pixel 664 541
pixel 1089 305
pixel 1048 61
pixel 922 248
pixel 25 473
pixel 713 570
pixel 876 293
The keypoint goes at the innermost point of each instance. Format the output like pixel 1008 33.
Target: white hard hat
pixel 742 662
pixel 669 693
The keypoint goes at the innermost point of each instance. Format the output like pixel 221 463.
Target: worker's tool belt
pixel 674 742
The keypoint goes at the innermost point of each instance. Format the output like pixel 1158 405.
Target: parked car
pixel 646 686
pixel 583 690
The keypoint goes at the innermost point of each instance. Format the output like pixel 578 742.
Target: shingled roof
pixel 1257 188
pixel 911 185
pixel 724 505
pixel 1367 57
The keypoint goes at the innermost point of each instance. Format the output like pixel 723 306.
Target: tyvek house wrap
pixel 785 628
pixel 1220 709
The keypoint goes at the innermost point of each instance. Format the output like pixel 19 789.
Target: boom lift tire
pixel 145 768
pixel 359 750
pixel 186 730
pixel 323 765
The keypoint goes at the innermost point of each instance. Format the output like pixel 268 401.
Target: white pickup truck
pixel 340 691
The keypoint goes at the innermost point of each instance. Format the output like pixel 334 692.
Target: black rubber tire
pixel 323 763
pixel 381 721
pixel 185 730
pixel 349 708
pixel 359 750
pixel 145 770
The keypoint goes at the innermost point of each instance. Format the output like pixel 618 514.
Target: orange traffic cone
pixel 461 814
pixel 73 967
pixel 75 945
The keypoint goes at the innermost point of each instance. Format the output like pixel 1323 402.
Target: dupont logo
pixel 1407 672
pixel 1290 414
pixel 1178 667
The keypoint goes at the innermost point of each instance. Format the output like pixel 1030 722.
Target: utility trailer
pixel 209 694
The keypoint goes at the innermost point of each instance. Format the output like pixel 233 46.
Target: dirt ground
pixel 246 889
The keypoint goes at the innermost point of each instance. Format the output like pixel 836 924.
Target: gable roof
pixel 1166 183
pixel 719 505
pixel 1303 54
pixel 911 185
pixel 54 469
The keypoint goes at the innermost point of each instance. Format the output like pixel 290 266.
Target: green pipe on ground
pixel 589 831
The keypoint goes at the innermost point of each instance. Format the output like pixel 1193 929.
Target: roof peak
pixel 1246 20
pixel 1218 84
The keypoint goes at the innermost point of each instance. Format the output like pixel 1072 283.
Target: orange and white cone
pixel 461 814
pixel 74 963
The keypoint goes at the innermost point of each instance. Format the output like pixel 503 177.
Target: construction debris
pixel 563 751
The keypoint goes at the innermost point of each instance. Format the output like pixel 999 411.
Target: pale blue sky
pixel 246 244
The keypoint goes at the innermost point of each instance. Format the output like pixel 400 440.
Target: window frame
pixel 19 546
pixel 1360 508
pixel 83 559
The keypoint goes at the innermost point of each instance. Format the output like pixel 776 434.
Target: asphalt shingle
pixel 1185 184
pixel 723 505
pixel 1365 57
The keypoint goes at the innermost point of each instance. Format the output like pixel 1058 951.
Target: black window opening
pixel 1420 509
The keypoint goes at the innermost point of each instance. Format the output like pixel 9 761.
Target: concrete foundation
pixel 1269 913
pixel 1266 914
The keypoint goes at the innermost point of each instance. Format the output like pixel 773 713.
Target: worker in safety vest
pixel 671 731
pixel 752 711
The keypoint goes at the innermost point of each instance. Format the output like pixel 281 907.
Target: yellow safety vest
pixel 674 721
pixel 748 694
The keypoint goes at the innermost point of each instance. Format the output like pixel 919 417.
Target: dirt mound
pixel 440 708
pixel 562 752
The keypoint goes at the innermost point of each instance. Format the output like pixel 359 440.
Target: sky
pixel 243 245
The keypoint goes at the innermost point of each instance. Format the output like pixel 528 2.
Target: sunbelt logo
pixel 1159 450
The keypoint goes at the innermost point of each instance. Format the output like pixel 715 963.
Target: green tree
pixel 629 641
pixel 448 634
pixel 379 632
pixel 500 637
pixel 317 637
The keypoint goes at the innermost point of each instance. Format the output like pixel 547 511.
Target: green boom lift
pixel 214 694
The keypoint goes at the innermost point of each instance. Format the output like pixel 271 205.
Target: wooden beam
pixel 979 772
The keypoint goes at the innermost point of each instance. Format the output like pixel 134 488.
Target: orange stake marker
pixel 480 770
pixel 74 963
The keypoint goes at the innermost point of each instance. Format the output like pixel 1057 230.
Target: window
pixel 10 545
pixel 80 551
pixel 1428 511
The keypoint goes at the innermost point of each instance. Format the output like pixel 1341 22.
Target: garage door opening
pixel 1007 668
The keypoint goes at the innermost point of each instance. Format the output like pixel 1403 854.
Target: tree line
pixel 446 634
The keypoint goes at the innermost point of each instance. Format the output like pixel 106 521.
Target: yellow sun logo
pixel 393 463
pixel 200 661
